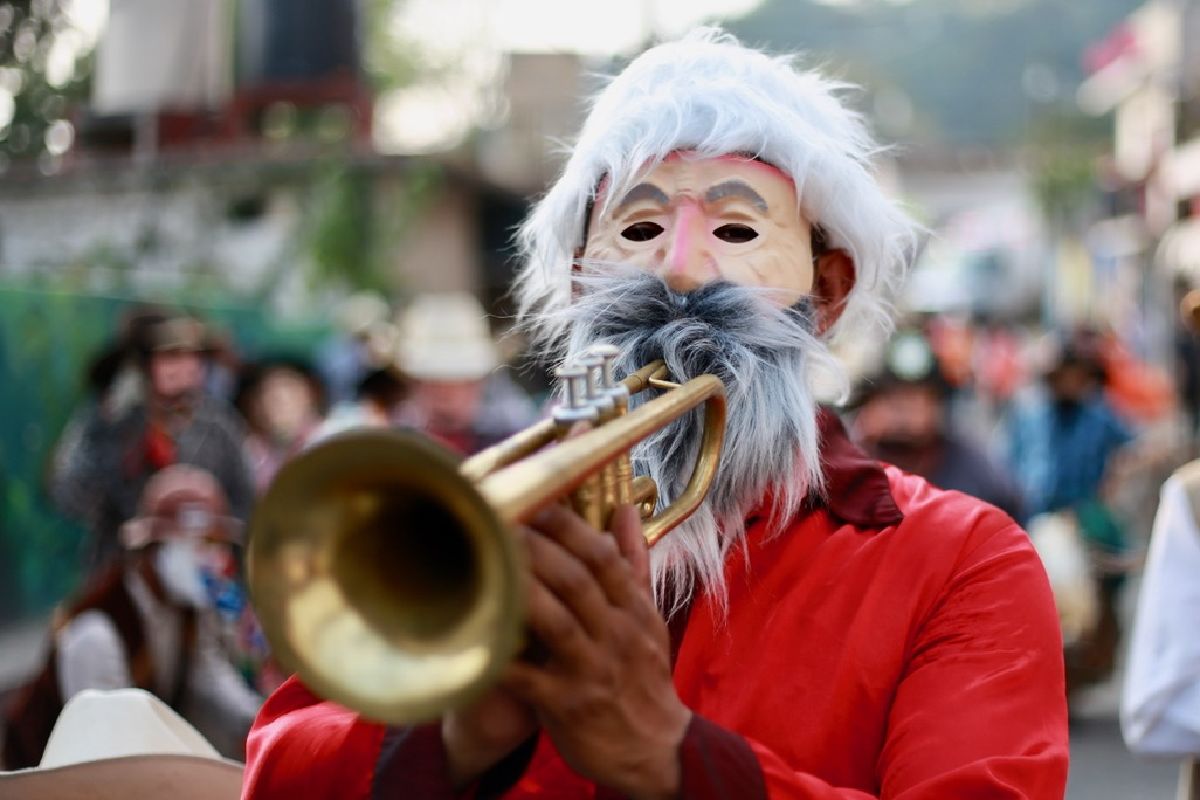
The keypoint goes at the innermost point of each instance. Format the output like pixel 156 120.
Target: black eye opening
pixel 642 231
pixel 735 233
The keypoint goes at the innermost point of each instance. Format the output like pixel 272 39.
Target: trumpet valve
pixel 576 406
pixel 606 383
pixel 600 398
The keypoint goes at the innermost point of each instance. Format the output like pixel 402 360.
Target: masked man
pixel 822 627
pixel 148 622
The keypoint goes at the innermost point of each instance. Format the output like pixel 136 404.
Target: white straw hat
pixel 124 743
pixel 445 337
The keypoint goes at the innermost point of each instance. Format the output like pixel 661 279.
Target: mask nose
pixel 687 263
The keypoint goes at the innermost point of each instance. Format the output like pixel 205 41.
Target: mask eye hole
pixel 735 233
pixel 642 231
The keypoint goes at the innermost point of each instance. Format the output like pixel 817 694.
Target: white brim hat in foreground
pixel 120 744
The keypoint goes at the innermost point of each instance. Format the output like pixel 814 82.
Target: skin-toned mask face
pixel 695 220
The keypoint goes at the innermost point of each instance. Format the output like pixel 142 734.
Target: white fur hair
pixel 708 93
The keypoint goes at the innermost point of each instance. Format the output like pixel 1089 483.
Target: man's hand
pixel 605 695
pixel 479 736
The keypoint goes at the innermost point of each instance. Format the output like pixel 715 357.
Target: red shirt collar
pixel 857 490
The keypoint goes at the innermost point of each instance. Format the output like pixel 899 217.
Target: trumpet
pixel 385 572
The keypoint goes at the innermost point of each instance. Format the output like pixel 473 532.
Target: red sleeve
pixel 302 746
pixel 981 710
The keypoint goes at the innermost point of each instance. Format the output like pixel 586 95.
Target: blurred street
pixel 1102 768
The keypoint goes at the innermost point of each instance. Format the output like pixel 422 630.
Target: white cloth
pixel 164 54
pixel 216 700
pixel 1160 707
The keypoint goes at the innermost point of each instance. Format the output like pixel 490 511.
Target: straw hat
pixel 445 337
pixel 121 744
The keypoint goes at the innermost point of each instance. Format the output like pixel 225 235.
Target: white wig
pixel 710 94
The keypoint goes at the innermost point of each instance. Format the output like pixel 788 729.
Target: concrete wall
pixel 125 237
pixel 440 250
pixel 168 237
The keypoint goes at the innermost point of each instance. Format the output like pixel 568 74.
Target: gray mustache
pixel 762 352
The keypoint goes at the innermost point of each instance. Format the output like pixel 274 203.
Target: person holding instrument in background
pixel 822 626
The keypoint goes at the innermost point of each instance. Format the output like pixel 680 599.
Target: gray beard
pixel 765 356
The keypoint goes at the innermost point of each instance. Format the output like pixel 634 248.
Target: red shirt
pixel 894 641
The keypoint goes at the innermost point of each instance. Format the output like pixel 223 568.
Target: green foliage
pixel 339 240
pixel 44 340
pixel 1063 149
pixel 390 61
pixel 28 31
pixel 354 231
pixel 1064 184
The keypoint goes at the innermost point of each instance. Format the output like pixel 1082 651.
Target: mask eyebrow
pixel 644 191
pixel 735 188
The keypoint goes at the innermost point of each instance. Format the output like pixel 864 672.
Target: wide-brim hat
pixel 180 335
pixel 121 744
pixel 445 337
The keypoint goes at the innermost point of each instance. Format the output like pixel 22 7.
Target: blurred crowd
pixel 178 434
pixel 1068 431
pixel 163 460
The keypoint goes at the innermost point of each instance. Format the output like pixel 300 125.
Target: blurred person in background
pixel 461 394
pixel 953 340
pixel 1068 446
pixel 999 365
pixel 1138 391
pixel 147 621
pixel 903 417
pixel 353 348
pixel 1065 436
pixel 822 626
pixel 222 364
pixel 378 398
pixel 113 376
pixel 282 401
pixel 149 416
pixel 1187 360
pixel 1160 702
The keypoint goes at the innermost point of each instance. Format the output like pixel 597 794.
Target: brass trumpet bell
pixel 382 578
pixel 385 573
